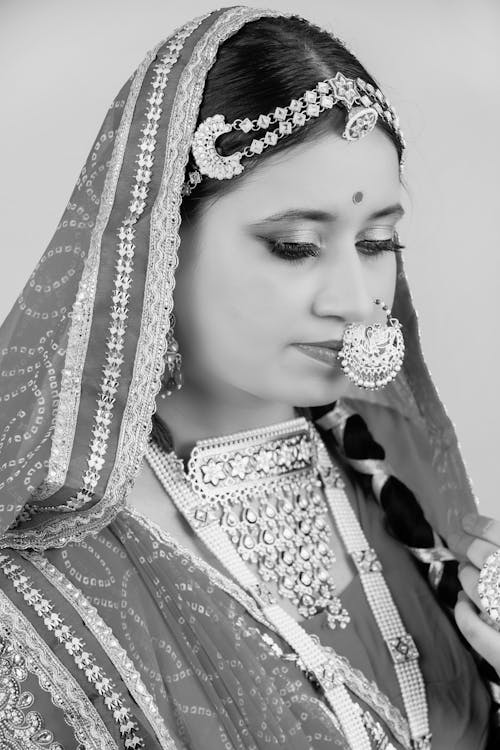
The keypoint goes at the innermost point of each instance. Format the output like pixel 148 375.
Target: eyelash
pixel 290 251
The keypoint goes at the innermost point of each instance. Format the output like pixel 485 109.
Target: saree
pixel 82 356
pixel 193 661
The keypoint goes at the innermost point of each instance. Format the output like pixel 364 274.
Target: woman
pixel 235 564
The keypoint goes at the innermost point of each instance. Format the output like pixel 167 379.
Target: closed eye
pixel 298 252
pixel 295 252
pixel 373 248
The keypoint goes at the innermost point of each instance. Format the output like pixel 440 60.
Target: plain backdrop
pixel 62 62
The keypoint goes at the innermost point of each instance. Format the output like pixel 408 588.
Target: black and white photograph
pixel 249 352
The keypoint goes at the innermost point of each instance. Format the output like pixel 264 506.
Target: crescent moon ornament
pixel 206 156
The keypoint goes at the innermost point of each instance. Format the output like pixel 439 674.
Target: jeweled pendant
pixel 274 512
pixel 372 355
pixel 337 614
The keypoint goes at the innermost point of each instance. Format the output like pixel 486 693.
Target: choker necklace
pixel 264 490
pixel 212 497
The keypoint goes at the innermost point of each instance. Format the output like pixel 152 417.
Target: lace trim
pixel 124 271
pixel 215 577
pixel 371 694
pixel 365 689
pixel 158 299
pixel 354 679
pixel 85 299
pixel 67 413
pixel 164 243
pixel 54 678
pixel 110 645
pixel 76 647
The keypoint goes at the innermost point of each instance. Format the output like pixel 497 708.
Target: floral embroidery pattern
pixel 121 285
pixel 19 730
pixel 89 729
pixel 215 465
pixel 103 633
pixel 123 277
pixel 76 647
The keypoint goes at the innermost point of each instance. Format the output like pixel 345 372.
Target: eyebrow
pixel 298 214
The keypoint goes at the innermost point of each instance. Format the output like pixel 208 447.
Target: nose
pixel 343 292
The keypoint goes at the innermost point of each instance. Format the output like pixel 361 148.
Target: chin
pixel 311 392
pixel 319 399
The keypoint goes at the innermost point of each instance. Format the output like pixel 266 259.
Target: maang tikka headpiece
pixel 364 104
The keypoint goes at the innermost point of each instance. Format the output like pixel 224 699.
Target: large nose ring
pixel 372 354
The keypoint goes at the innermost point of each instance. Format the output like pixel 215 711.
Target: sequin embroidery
pixel 77 648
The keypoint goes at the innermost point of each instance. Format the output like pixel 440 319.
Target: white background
pixel 62 62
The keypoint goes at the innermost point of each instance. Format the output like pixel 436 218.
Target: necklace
pixel 264 490
pixel 203 513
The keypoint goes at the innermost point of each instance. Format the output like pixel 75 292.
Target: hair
pixel 265 65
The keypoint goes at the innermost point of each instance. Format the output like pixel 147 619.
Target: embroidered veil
pixel 82 350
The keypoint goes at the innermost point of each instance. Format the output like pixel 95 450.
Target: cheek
pixel 392 281
pixel 383 278
pixel 245 302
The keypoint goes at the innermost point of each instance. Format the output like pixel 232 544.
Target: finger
pixel 459 544
pixel 468 576
pixel 479 551
pixel 482 637
pixel 470 548
pixel 482 526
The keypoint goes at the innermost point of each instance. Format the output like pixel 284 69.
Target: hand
pixel 472 548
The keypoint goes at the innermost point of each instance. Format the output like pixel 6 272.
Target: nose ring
pixel 372 354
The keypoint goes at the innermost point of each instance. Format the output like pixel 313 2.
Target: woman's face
pixel 288 258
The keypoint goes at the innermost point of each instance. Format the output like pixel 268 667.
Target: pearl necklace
pixel 197 498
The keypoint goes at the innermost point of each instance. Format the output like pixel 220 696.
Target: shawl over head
pixel 82 350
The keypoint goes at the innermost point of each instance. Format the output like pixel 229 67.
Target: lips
pixel 332 344
pixel 327 352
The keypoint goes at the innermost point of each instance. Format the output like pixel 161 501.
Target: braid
pixel 407 523
pixel 404 516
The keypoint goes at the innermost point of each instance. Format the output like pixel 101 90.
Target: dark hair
pixel 266 64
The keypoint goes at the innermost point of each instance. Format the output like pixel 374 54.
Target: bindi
pixel 357 197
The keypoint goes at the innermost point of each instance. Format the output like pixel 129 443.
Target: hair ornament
pixel 364 104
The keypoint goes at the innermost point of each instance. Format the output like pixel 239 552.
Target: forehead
pixel 324 173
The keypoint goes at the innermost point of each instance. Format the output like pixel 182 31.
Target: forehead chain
pixel 364 104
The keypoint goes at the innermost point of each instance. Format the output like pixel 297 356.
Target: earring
pixel 372 355
pixel 172 377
